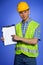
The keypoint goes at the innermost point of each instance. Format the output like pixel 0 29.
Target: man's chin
pixel 24 18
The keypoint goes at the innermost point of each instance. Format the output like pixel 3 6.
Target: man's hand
pixel 2 38
pixel 15 37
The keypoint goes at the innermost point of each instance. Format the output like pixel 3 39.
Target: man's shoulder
pixel 33 21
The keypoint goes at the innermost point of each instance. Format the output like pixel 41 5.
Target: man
pixel 27 37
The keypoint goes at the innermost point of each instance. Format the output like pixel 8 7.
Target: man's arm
pixel 33 40
pixel 28 41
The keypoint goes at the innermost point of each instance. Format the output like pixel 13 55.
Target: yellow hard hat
pixel 22 6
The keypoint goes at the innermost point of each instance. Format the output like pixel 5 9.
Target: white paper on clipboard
pixel 7 32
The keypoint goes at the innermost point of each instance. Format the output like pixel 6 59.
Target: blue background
pixel 9 16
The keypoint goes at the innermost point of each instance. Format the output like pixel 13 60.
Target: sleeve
pixel 37 33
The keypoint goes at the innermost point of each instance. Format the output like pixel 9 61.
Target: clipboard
pixel 7 32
